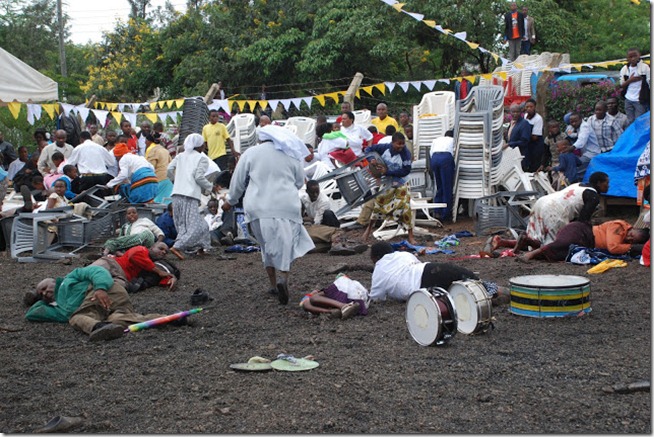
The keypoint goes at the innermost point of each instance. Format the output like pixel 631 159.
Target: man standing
pixel 634 80
pixel 146 129
pixel 612 109
pixel 462 89
pixel 536 144
pixel 514 30
pixel 93 129
pixel 7 151
pixel 443 169
pixel 216 138
pixel 383 119
pixel 45 164
pixel 356 135
pixel 92 161
pixel 519 134
pixel 606 127
pixel 529 39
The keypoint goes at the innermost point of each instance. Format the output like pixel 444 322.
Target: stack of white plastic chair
pixel 432 117
pixel 306 128
pixel 478 143
pixel 363 117
pixel 243 132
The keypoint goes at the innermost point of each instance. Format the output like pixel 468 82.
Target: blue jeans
pixel 442 166
pixel 634 109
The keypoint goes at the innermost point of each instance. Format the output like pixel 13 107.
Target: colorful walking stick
pixel 161 320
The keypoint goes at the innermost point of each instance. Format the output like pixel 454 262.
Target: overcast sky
pixel 88 19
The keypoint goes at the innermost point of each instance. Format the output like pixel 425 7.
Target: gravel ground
pixel 525 376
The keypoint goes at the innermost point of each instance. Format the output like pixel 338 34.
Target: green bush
pixel 567 96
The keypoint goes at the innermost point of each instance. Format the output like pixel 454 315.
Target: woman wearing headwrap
pixel 159 157
pixel 188 173
pixel 271 202
pixel 136 178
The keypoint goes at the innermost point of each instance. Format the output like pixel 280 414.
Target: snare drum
pixel 473 306
pixel 549 295
pixel 431 316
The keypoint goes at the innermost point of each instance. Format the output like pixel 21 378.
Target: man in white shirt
pixel 443 169
pixel 145 130
pixel 607 128
pixel 45 164
pixel 635 81
pixel 398 274
pixel 357 136
pixel 586 142
pixel 92 161
pixel 536 143
pixel 316 206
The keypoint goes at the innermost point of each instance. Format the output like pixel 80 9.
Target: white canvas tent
pixel 20 82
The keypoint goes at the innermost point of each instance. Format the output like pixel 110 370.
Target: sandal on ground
pixel 349 310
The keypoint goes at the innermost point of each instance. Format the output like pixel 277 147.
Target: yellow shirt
pixel 159 157
pixel 381 124
pixel 216 136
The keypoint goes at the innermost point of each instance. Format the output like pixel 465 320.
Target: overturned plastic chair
pixel 357 182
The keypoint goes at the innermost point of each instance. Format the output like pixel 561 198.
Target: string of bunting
pixel 117 111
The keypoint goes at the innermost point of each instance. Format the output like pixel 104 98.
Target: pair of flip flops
pixel 285 363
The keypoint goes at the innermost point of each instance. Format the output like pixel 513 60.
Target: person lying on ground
pixel 88 299
pixel 398 274
pixel 343 298
pixel 135 232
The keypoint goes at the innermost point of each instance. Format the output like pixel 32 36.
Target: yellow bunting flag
pixel 333 96
pixel 471 78
pixel 367 89
pixel 252 104
pixel 152 116
pixel 448 31
pixel 49 109
pixel 263 104
pixel 170 103
pixel 321 99
pixel 488 76
pixel 241 104
pixel 458 79
pixel 14 108
pixel 153 106
pixel 577 66
pixel 160 104
pixel 117 116
pixel 636 2
pixel 179 103
pixel 472 45
pixel 430 23
pixel 112 106
pixel 503 75
pixel 358 94
pixel 398 6
pixel 381 87
pixel 496 57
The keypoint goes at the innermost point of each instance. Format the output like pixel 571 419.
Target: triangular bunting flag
pixel 263 104
pixel 296 102
pixel 118 116
pixel 418 17
pixel 461 35
pixel 488 76
pixel 273 104
pixel 83 113
pixel 381 87
pixel 152 116
pixel 49 109
pixel 341 93
pixel 404 86
pixel 33 113
pixel 390 86
pixel 214 105
pixel 308 101
pixel 14 108
pixel 446 81
pixel 169 103
pixel 333 96
pixel 252 104
pixel 121 107
pixel 286 103
pixel 66 107
pixel 502 75
pixel 153 106
pixel 131 117
pixel 179 103
pixel 390 2
pixel 321 99
pixel 112 107
pixel 398 6
pixel 430 23
pixel 241 104
pixel 161 104
pixel 496 57
pixel 472 45
pixel 439 28
pixel 367 89
pixel 429 84
pixel 101 116
pixel 416 84
pixel 472 79
pixel 358 94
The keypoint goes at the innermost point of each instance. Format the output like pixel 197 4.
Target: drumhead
pixel 549 281
pixel 423 318
pixel 466 307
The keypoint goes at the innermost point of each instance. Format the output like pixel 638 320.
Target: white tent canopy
pixel 22 83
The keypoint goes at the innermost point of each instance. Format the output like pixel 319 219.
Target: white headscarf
pixel 193 141
pixel 284 140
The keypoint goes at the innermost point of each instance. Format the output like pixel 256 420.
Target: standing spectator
pixel 45 164
pixel 7 151
pixel 519 134
pixel 216 137
pixel 536 143
pixel 95 136
pixel 146 129
pixel 612 109
pixel 383 119
pixel 514 30
pixel 404 120
pixel 271 202
pixel 607 128
pixel 635 82
pixel 442 167
pixel 529 38
pixel 586 142
pixel 130 134
pixel 164 139
pixel 346 106
pixel 187 171
pixel 462 88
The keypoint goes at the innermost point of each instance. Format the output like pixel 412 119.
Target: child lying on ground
pixel 344 298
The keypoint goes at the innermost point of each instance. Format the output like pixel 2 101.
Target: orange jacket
pixel 611 235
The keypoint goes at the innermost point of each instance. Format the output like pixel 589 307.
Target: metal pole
pixel 62 50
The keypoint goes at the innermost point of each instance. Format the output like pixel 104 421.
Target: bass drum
pixel 431 316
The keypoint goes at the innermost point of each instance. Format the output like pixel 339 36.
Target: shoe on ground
pixel 227 240
pixel 273 291
pixel 60 424
pixel 350 310
pixel 199 297
pixel 110 331
pixel 282 290
pixel 341 250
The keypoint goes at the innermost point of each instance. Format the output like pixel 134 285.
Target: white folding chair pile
pixel 242 130
pixel 478 143
pixel 363 117
pixel 432 117
pixel 306 128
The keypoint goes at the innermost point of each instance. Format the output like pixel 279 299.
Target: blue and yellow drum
pixel 549 295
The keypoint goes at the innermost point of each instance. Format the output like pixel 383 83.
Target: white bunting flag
pixel 418 17
pixel 297 102
pixel 390 86
pixel 131 117
pixel 307 100
pixel 286 103
pixel 66 108
pixel 429 84
pixel 33 113
pixel 416 84
pixel 101 116
pixel 404 86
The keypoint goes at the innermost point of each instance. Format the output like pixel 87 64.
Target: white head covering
pixel 193 141
pixel 284 140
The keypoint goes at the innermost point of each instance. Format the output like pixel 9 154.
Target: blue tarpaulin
pixel 620 162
